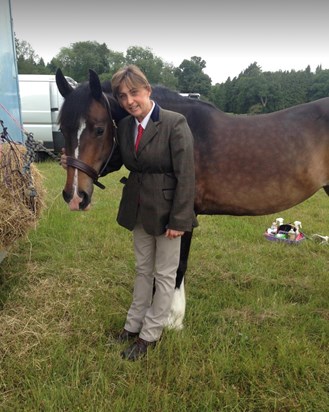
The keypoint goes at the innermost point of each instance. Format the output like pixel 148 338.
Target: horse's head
pixel 89 131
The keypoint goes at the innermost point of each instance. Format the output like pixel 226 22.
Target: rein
pixel 88 170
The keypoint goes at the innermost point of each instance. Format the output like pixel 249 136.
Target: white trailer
pixel 40 105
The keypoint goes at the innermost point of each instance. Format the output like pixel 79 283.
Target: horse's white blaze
pixel 76 199
pixel 177 311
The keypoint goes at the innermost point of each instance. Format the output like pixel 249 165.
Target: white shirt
pixel 145 120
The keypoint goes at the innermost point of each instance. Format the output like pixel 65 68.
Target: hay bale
pixel 21 195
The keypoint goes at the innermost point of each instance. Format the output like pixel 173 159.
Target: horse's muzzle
pixel 77 202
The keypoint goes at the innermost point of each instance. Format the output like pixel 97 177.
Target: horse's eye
pixel 99 131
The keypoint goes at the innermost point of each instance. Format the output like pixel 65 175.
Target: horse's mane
pixel 106 86
pixel 163 92
pixel 160 92
pixel 77 103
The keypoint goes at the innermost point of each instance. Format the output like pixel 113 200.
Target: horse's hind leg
pixel 326 189
pixel 177 311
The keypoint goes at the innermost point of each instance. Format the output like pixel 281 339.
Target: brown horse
pixel 244 165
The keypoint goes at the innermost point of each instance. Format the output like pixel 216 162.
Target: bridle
pixel 84 167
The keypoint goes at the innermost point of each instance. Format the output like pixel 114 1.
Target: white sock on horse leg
pixel 177 311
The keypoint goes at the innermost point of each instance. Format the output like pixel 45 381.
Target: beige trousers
pixel 157 258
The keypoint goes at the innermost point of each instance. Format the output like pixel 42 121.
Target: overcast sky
pixel 278 35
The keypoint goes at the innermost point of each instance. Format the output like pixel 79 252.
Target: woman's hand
pixel 172 234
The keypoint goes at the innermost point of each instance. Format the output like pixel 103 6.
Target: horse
pixel 244 165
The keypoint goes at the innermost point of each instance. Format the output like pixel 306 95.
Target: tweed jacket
pixel 161 181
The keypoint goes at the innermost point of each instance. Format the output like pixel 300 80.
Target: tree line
pixel 252 91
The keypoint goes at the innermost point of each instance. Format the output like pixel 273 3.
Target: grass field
pixel 256 327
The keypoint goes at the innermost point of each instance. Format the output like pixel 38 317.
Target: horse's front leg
pixel 177 311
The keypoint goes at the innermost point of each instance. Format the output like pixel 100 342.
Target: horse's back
pixel 253 165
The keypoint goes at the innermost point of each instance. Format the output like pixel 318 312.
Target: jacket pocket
pixel 168 194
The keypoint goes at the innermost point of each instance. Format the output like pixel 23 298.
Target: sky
pixel 278 35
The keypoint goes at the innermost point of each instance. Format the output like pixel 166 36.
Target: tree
pixel 115 61
pixel 295 87
pixel 320 85
pixel 250 91
pixel 256 92
pixel 146 61
pixel 191 77
pixel 76 60
pixel 156 70
pixel 168 77
pixel 28 62
pixel 218 96
pixel 144 58
pixel 199 61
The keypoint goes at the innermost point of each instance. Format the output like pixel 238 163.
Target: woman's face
pixel 135 100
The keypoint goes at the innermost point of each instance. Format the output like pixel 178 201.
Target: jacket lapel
pixel 151 129
pixel 129 131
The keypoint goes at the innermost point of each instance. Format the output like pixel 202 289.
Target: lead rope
pixel 32 147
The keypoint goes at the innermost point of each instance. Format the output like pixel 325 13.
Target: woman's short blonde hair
pixel 132 76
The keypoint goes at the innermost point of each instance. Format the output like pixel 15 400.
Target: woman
pixel 157 203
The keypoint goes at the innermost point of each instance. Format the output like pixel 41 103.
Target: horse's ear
pixel 63 86
pixel 95 85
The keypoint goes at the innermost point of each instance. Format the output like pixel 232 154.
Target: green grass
pixel 256 326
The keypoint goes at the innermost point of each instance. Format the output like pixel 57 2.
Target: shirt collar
pixel 146 118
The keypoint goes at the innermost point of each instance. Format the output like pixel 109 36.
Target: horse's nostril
pixel 67 196
pixel 85 200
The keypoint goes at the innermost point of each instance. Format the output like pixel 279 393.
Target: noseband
pixel 88 170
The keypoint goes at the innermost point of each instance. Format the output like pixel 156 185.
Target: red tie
pixel 140 131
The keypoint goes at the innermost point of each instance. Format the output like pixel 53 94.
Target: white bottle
pixel 297 225
pixel 273 229
pixel 279 221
